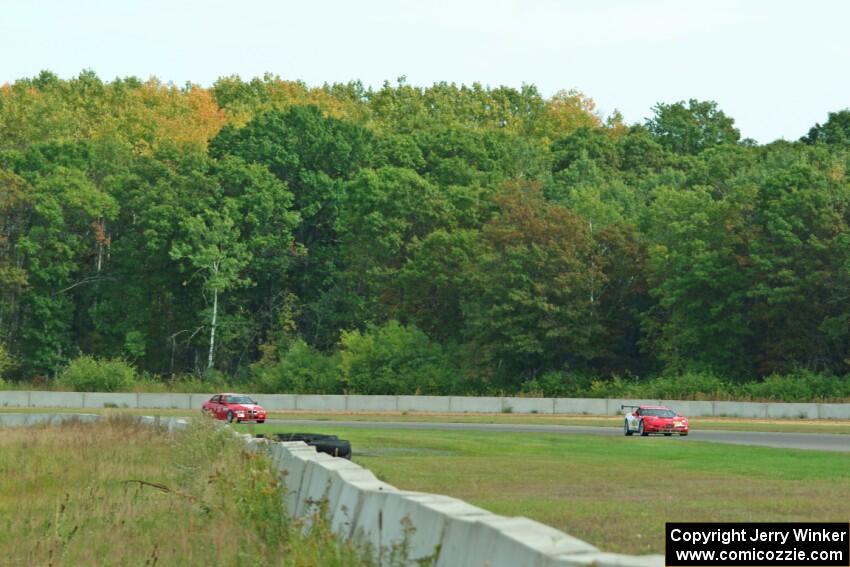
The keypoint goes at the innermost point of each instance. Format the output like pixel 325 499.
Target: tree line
pixel 449 239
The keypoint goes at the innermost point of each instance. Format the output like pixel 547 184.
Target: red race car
pixel 653 419
pixel 234 407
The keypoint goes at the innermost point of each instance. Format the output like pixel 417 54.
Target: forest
pixel 449 239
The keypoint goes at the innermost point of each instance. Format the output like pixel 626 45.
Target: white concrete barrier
pixel 110 400
pixel 27 419
pixel 435 404
pixel 419 520
pixel 834 411
pixel 317 481
pixel 600 560
pixel 15 399
pixel 400 527
pixel 528 405
pixel 484 404
pixel 164 401
pixel 692 408
pixel 344 496
pixel 275 402
pixel 800 411
pixel 440 404
pixel 169 423
pixel 740 409
pixel 368 521
pixel 586 406
pixel 371 403
pixel 403 527
pixel 498 541
pixel 196 401
pixel 295 465
pixel 56 399
pixel 320 402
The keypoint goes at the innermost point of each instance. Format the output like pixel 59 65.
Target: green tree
pixel 395 359
pixel 690 128
pixel 313 155
pixel 836 130
pixel 61 252
pixel 213 247
pixel 535 287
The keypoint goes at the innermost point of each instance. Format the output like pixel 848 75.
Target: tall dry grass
pixel 120 493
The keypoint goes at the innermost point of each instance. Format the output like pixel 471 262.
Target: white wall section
pixel 436 404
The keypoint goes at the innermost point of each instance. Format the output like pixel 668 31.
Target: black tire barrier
pixel 330 444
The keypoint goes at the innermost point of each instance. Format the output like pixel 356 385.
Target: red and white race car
pixel 653 419
pixel 234 407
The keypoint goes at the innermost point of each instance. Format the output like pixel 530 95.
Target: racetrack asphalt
pixel 810 441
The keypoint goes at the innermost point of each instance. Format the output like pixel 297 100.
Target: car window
pixel 215 399
pixel 659 412
pixel 240 400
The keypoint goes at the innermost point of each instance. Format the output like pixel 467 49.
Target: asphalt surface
pixel 810 441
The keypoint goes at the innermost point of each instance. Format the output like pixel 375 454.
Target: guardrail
pixel 435 404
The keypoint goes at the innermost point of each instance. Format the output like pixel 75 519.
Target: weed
pixel 116 492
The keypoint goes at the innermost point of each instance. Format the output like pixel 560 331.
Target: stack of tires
pixel 330 444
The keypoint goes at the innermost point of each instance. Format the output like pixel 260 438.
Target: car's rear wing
pixel 622 407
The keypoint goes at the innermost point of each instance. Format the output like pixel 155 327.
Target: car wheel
pixel 230 417
pixel 667 434
pixel 641 430
pixel 626 431
pixel 683 434
pixel 261 421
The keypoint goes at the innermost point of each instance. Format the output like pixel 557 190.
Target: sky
pixel 777 67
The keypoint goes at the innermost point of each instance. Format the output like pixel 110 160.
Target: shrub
pixel 800 387
pixel 184 383
pixel 302 369
pixel 558 385
pixel 396 359
pixel 89 374
pixel 616 387
pixel 688 386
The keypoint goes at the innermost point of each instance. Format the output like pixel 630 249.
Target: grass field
pixel 71 495
pixel 616 493
pixel 719 423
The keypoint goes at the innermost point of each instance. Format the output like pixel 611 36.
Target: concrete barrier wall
pixel 371 403
pixel 27 419
pixel 438 404
pixel 172 401
pixel 116 400
pixel 278 402
pixel 52 399
pixel 318 402
pixel 398 527
pixel 414 528
pixel 483 404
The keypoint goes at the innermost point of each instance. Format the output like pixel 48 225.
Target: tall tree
pixel 535 287
pixel 314 155
pixel 836 130
pixel 213 247
pixel 692 127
